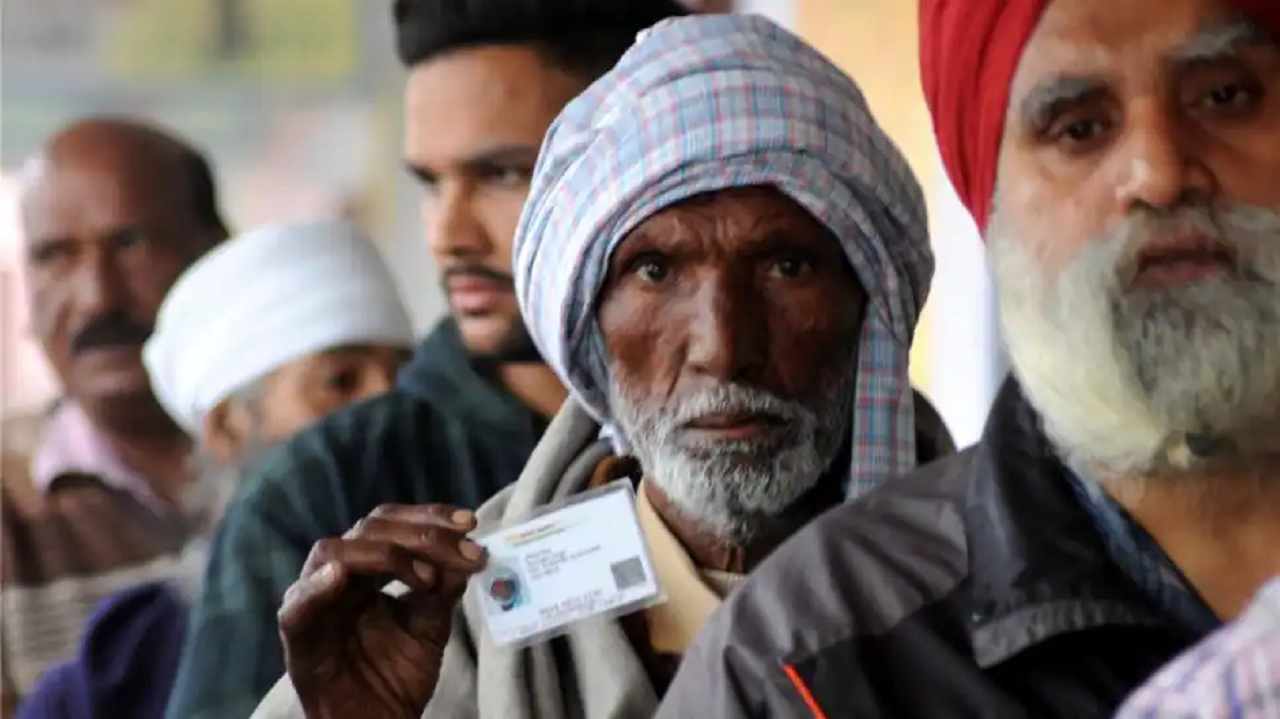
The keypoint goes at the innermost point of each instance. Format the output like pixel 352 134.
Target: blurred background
pixel 298 104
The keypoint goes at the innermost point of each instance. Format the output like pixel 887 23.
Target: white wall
pixel 782 12
pixel 966 364
pixel 26 383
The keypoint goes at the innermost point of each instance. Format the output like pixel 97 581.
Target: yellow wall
pixel 875 42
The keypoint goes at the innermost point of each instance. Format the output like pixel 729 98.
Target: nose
pixel 100 284
pixel 1160 166
pixel 453 229
pixel 728 335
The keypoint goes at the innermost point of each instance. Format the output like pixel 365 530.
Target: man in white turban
pixel 269 331
pixel 274 330
pixel 724 258
pixel 265 334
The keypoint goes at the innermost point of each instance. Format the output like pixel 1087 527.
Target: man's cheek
pixel 42 318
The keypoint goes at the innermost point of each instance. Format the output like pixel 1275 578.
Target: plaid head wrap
pixel 706 103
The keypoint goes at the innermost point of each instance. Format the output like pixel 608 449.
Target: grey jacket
pixel 978 587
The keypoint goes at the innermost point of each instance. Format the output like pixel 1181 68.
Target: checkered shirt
pixel 1233 674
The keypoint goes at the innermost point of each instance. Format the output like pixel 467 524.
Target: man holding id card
pixel 724 258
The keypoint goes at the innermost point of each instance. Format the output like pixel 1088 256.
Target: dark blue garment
pixel 127 662
pixel 1142 560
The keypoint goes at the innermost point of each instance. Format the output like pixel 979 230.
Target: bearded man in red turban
pixel 1122 158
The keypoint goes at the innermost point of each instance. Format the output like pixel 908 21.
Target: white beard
pixel 1123 375
pixel 730 489
pixel 214 485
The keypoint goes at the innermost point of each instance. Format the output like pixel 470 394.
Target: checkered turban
pixel 706 103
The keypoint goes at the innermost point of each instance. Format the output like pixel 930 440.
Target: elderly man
pixel 485 79
pixel 1123 161
pixel 314 324
pixel 112 211
pixel 724 257
pixel 1234 674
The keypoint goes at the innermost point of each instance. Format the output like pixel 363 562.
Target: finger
pixel 441 545
pixel 463 520
pixel 372 559
pixel 309 598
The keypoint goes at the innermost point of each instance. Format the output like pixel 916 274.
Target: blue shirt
pixel 1143 561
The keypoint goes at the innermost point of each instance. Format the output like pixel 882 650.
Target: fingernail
pixel 464 517
pixel 470 550
pixel 425 572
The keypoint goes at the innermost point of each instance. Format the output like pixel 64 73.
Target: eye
pixel 1079 131
pixel 46 254
pixel 505 177
pixel 790 267
pixel 342 382
pixel 1230 97
pixel 509 176
pixel 127 238
pixel 652 269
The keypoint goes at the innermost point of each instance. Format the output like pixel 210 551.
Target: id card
pixel 583 558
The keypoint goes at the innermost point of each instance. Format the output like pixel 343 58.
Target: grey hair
pixel 249 396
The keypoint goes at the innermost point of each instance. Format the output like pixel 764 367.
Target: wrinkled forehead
pixel 731 219
pixel 1082 46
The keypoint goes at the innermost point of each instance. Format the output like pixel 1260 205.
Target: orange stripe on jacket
pixel 805 694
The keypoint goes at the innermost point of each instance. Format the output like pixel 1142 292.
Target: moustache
pixel 109 330
pixel 735 398
pixel 1246 237
pixel 478 272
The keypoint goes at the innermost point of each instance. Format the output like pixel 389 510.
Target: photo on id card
pixel 506 588
pixel 580 559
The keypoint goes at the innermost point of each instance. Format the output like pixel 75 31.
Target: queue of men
pixel 680 253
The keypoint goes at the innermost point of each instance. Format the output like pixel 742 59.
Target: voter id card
pixel 583 558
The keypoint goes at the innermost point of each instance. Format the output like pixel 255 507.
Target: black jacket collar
pixel 1038 567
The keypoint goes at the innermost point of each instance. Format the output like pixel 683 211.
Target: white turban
pixel 261 300
pixel 705 103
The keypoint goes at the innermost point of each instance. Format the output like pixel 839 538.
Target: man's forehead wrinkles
pixel 710 225
pixel 1082 62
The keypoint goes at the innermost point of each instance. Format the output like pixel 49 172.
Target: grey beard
pixel 732 489
pixel 217 482
pixel 1123 374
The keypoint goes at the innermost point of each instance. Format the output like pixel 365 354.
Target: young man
pixel 485 80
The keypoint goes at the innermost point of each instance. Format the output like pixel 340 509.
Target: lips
pixel 732 419
pixel 734 425
pixel 1181 260
pixel 475 295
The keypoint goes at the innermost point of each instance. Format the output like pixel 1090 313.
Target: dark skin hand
pixel 352 650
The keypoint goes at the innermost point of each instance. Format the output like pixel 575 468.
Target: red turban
pixel 969 50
